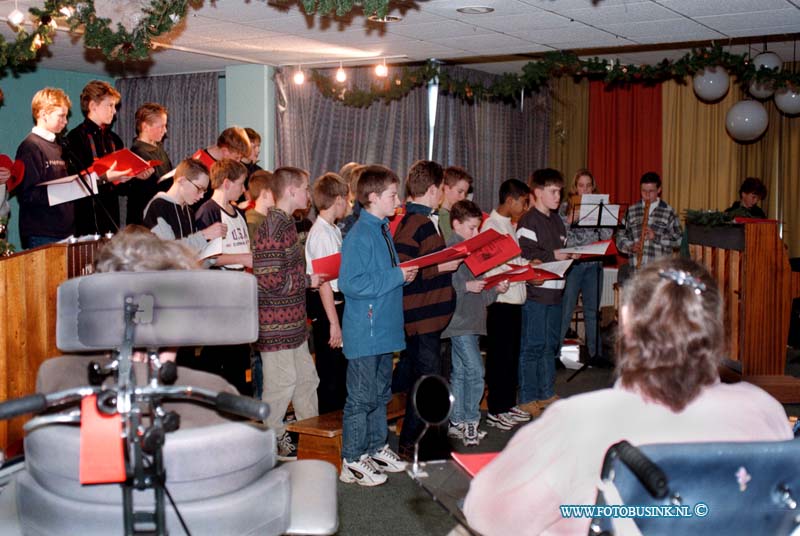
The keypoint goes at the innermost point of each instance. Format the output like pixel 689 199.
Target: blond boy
pixel 40 223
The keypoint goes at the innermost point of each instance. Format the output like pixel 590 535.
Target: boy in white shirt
pixel 325 307
pixel 504 317
pixel 227 179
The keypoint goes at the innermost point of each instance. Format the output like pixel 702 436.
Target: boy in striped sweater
pixel 429 300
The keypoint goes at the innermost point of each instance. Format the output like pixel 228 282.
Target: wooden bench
pixel 320 438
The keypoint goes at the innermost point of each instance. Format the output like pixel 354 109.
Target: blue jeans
pixel 541 326
pixel 585 278
pixel 466 379
pixel 364 429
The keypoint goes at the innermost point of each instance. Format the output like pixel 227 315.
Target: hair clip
pixel 683 279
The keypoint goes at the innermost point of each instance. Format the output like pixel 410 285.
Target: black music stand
pixel 594 220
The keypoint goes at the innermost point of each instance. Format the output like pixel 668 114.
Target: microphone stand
pixel 85 179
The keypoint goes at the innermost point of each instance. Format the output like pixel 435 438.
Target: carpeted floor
pixel 402 508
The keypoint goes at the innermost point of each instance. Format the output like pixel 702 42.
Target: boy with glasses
pixel 169 214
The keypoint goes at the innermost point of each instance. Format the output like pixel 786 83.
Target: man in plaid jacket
pixel 663 234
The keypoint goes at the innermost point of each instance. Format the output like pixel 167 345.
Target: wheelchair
pixel 216 479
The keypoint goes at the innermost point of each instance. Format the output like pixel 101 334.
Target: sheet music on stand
pixel 596 211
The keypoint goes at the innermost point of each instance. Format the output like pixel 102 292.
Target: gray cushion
pixel 259 508
pixel 200 462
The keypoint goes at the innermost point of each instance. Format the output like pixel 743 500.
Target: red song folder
pixel 516 274
pixel 328 265
pixel 437 257
pixel 488 250
pixel 17 169
pixel 125 160
pixel 473 463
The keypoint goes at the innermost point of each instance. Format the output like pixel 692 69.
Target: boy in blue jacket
pixel 372 329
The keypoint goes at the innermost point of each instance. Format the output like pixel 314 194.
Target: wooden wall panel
pixel 28 310
pixel 758 287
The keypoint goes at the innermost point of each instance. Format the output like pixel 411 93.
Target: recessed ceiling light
pixel 387 18
pixel 475 10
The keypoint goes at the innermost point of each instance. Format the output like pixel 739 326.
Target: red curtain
pixel 624 137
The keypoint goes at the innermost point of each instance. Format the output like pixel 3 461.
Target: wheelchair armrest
pixel 649 474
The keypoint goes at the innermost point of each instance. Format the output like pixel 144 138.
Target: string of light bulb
pixel 381 69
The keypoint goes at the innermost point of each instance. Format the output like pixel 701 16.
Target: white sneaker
pixel 501 421
pixel 455 430
pixel 519 415
pixel 287 452
pixel 471 437
pixel 363 472
pixel 387 461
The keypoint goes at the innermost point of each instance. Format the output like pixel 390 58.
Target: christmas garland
pixel 710 218
pixel 380 8
pixel 6 247
pixel 123 31
pixel 535 75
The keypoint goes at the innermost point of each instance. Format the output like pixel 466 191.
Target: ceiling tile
pixel 447 8
pixel 479 42
pixel 694 8
pixel 665 31
pixel 632 12
pixel 525 21
pixel 443 29
pixel 758 19
pixel 576 32
pixel 563 5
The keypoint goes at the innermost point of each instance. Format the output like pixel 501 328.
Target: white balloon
pixel 788 100
pixel 769 60
pixel 711 83
pixel 760 91
pixel 746 120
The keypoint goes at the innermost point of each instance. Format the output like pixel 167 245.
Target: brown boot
pixel 531 407
pixel 544 403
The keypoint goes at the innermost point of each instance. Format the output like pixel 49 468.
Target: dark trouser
pixel 504 329
pixel 231 362
pixel 30 242
pixel 330 362
pixel 422 357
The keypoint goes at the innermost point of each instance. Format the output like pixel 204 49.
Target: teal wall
pixel 221 97
pixel 246 98
pixel 15 114
pixel 250 102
